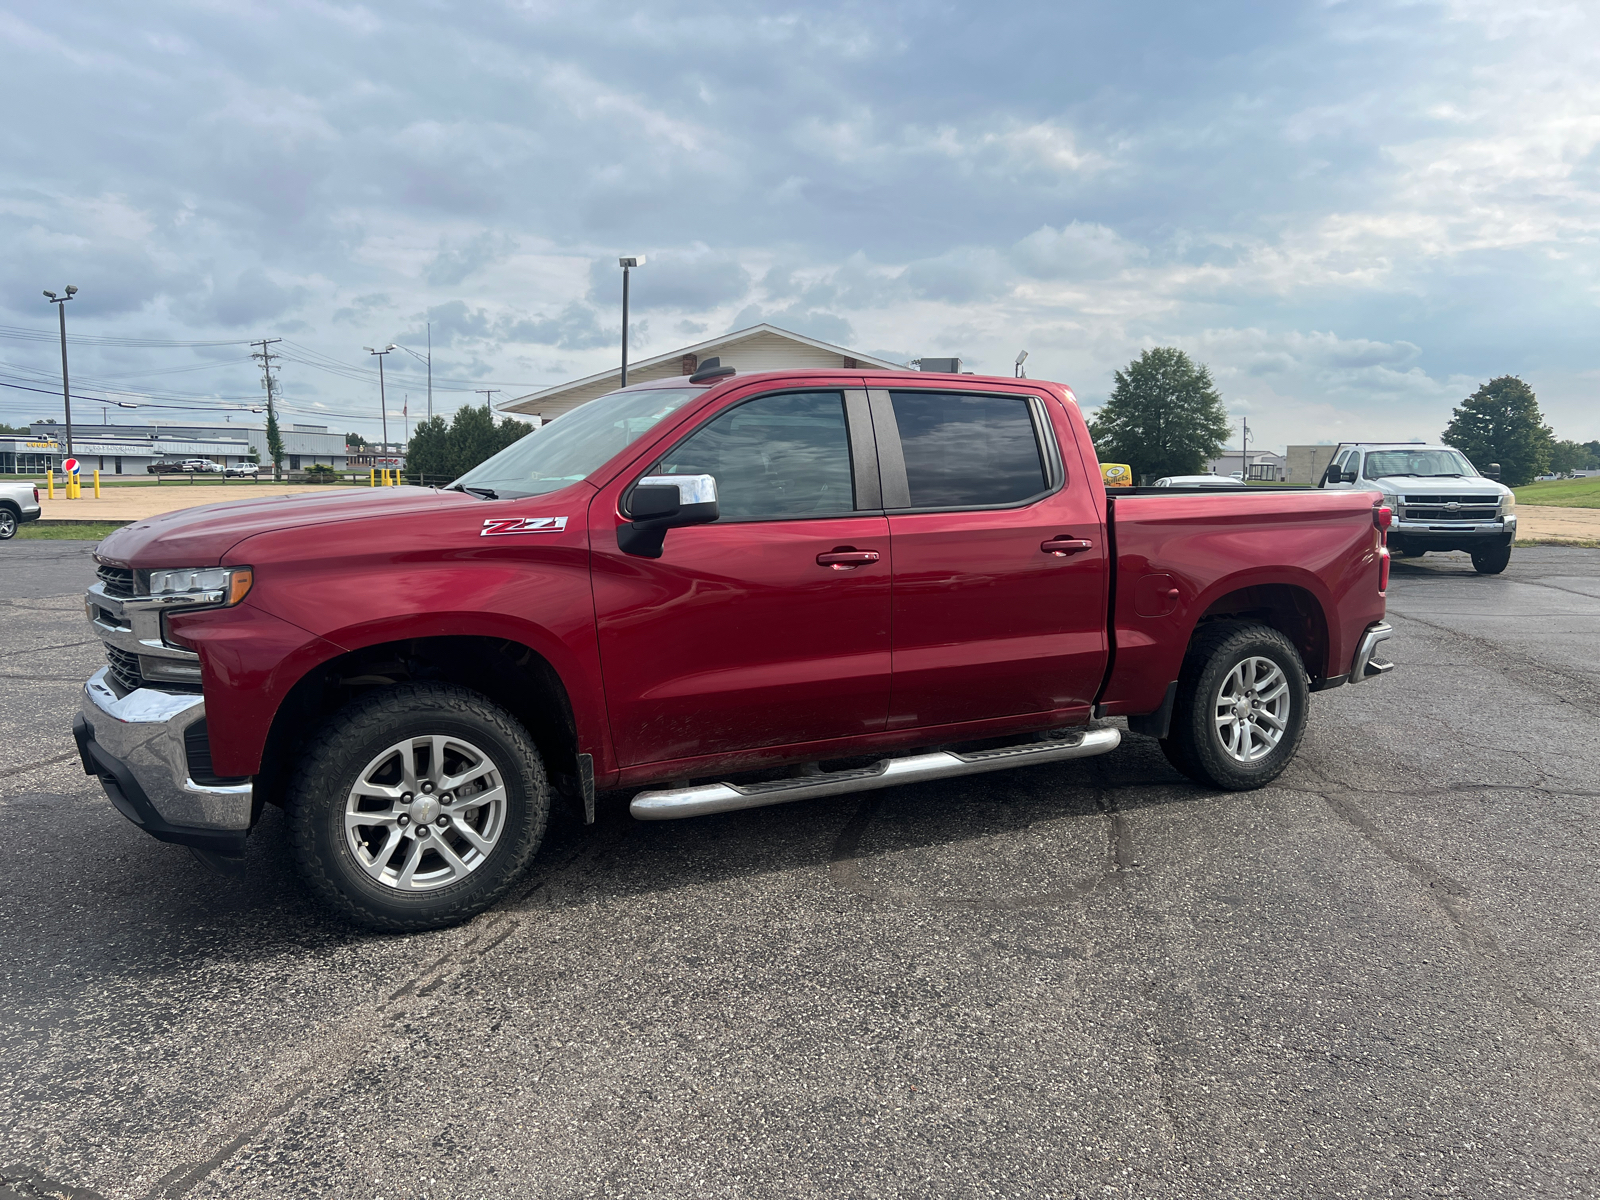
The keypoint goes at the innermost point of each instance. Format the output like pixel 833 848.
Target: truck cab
pixel 1438 499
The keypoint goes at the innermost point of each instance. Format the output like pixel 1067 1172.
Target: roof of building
pixel 758 348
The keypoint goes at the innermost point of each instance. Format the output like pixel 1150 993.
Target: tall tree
pixel 1567 457
pixel 429 454
pixel 274 443
pixel 440 451
pixel 1501 422
pixel 354 439
pixel 1164 417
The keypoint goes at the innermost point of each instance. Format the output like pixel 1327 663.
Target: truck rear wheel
pixel 417 807
pixel 1492 559
pixel 1240 708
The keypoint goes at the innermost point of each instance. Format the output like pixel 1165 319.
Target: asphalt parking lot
pixel 1379 977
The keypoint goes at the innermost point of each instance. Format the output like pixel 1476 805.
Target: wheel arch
pixel 510 673
pixel 1294 610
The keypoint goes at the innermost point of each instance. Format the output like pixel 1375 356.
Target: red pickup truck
pixel 718 591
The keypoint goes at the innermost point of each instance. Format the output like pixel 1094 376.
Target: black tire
pixel 1194 744
pixel 1492 560
pixel 358 736
pixel 8 523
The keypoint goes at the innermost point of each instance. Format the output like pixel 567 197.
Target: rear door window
pixel 969 451
pixel 774 457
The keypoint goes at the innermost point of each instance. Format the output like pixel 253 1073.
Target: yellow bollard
pixel 372 477
pixel 49 483
pixel 97 485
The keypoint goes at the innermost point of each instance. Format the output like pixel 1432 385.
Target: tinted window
pixel 968 451
pixel 779 456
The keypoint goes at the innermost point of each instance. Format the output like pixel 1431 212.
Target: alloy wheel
pixel 1252 709
pixel 425 813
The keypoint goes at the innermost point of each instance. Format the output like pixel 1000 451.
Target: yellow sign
pixel 1116 474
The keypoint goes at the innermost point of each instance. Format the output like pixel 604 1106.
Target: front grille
pixel 1478 501
pixel 118 581
pixel 125 667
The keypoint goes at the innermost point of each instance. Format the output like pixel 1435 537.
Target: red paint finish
pixel 752 644
pixel 988 625
pixel 740 636
pixel 1320 542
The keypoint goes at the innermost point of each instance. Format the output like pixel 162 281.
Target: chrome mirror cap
pixel 692 489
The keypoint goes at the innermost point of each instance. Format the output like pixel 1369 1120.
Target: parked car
pixel 166 468
pixel 202 466
pixel 1440 501
pixel 717 592
pixel 247 470
pixel 19 504
pixel 1189 481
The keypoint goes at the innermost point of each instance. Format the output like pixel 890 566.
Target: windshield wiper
pixel 486 493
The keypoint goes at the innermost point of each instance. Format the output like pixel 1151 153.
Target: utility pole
pixel 1244 450
pixel 66 389
pixel 430 370
pixel 383 403
pixel 488 399
pixel 266 359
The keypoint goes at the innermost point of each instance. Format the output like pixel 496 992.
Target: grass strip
pixel 65 531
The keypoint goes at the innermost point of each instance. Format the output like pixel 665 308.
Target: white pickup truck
pixel 1439 499
pixel 19 504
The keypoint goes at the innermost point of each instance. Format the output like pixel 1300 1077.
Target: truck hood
pixel 199 537
pixel 1410 485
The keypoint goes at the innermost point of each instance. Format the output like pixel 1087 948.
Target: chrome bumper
pixel 1366 663
pixel 1500 525
pixel 135 743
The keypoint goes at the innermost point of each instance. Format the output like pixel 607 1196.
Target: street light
pixel 1021 358
pixel 383 403
pixel 66 390
pixel 429 361
pixel 626 264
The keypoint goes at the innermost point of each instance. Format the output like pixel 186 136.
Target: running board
pixel 702 799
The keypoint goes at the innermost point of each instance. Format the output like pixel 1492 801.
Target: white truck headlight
pixel 207 585
pixel 1392 503
pixel 1508 504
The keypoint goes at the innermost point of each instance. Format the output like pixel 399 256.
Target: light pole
pixel 1022 357
pixel 626 264
pixel 429 361
pixel 383 403
pixel 66 389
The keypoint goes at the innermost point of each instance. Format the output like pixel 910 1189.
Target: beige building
pixel 1307 464
pixel 759 348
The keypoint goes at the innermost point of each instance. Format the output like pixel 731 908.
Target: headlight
pixel 1508 504
pixel 1392 503
pixel 206 585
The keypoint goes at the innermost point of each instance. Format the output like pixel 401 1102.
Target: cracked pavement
pixel 1375 978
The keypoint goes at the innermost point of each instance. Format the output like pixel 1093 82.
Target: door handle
pixel 847 559
pixel 1063 545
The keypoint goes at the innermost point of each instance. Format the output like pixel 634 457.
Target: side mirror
pixel 658 503
pixel 1348 477
pixel 1492 471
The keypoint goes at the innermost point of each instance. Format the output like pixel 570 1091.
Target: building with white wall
pixel 759 348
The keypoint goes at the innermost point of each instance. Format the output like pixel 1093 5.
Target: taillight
pixel 1383 569
pixel 36 493
pixel 1383 516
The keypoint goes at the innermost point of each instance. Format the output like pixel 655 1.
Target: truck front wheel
pixel 1492 559
pixel 417 807
pixel 1240 708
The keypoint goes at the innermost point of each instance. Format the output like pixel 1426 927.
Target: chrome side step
pixel 702 799
pixel 1367 664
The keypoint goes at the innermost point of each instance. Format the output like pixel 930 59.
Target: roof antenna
pixel 712 368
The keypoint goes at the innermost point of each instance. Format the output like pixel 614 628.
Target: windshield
pixel 1425 463
pixel 574 444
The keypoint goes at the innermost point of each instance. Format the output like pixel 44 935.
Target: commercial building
pixel 127 449
pixel 759 348
pixel 1257 464
pixel 1308 464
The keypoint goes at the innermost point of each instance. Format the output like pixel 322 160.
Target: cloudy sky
pixel 1353 212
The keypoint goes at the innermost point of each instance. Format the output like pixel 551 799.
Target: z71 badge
pixel 500 526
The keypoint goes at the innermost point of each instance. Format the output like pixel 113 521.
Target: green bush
pixel 319 473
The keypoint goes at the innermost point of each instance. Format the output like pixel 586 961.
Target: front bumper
pixel 1452 534
pixel 139 743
